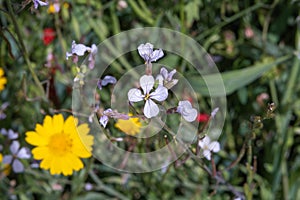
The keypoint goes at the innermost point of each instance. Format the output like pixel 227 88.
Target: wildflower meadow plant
pixel 58 144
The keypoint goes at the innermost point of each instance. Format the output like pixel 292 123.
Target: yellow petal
pixel 35 139
pixel 40 153
pixel 58 123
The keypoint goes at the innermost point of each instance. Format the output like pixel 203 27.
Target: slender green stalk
pixel 24 51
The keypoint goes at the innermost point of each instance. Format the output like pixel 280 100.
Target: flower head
pixel 147 53
pixel 3 80
pixel 131 126
pixel 60 144
pixel 9 133
pixel 106 80
pixel 37 3
pixel 187 111
pixel 159 94
pixel 16 154
pixel 207 146
pixel 109 113
pixel 2 110
pixel 166 79
pixel 48 35
pixel 77 50
pixel 54 8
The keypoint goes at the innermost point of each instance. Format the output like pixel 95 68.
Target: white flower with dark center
pixel 187 111
pixel 159 94
pixel 207 146
pixel 147 53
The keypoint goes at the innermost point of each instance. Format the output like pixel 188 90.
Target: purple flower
pixel 37 3
pixel 2 109
pixel 16 154
pixel 106 80
pixel 112 114
pixel 9 133
pixel 147 53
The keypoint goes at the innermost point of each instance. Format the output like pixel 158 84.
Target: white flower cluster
pixel 149 94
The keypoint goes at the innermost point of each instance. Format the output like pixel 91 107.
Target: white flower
pixel 214 112
pixel 160 94
pixel 77 49
pixel 147 53
pixel 166 79
pixel 208 147
pixel 104 118
pixel 187 111
pixel 37 3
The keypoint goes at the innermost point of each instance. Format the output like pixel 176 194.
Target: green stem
pixel 24 51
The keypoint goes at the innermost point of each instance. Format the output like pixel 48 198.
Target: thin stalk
pixel 24 51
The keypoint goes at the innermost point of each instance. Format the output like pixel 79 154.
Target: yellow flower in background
pixel 1 157
pixel 60 144
pixel 132 126
pixel 3 80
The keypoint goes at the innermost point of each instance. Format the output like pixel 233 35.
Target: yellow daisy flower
pixel 3 80
pixel 1 157
pixel 132 126
pixel 60 144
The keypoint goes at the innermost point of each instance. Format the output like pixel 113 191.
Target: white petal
pixel 150 109
pixel 190 115
pixel 14 147
pixel 214 146
pixel 207 154
pixel 160 94
pixel 145 50
pixel 108 79
pixel 160 79
pixel 17 166
pixel 135 95
pixel 80 49
pixel 23 153
pixel 157 54
pixel 171 74
pixel 185 104
pixel 146 83
pixel 7 159
pixel 214 112
pixel 164 72
pixel 103 120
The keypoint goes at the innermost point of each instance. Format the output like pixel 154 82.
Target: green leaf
pixel 229 82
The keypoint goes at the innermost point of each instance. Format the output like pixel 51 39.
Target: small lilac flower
pixel 166 79
pixel 2 109
pixel 88 186
pixel 207 146
pixel 77 50
pixel 187 111
pixel 37 3
pixel 147 53
pixel 106 80
pixel 160 94
pixel 92 56
pixel 109 113
pixel 9 133
pixel 17 154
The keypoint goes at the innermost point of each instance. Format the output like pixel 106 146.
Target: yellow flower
pixel 3 80
pixel 132 126
pixel 1 157
pixel 60 144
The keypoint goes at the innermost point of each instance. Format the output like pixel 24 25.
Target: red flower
pixel 202 117
pixel 49 35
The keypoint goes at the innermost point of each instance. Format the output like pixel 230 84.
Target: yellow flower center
pixel 147 97
pixel 60 144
